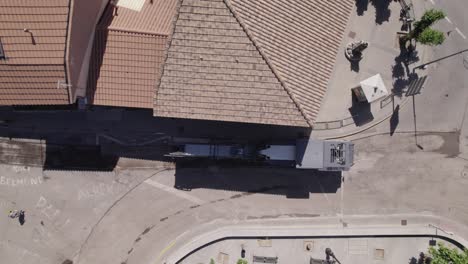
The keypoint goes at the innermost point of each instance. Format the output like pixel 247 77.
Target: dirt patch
pixel 451 145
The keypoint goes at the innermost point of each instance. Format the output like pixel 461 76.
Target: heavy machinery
pixel 302 154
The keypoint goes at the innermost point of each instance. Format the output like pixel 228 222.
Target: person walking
pixel 17 214
pixel 13 214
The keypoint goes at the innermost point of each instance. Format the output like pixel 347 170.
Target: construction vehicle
pixel 302 154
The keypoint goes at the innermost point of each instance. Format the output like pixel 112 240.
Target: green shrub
pixel 431 37
pixel 445 255
pixel 242 261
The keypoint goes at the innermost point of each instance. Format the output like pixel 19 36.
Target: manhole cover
pixel 379 254
pixel 352 34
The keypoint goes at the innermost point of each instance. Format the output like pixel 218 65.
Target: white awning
pixel 135 5
pixel 374 88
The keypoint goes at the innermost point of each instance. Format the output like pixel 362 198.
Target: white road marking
pixel 178 193
pixel 448 20
pixel 459 32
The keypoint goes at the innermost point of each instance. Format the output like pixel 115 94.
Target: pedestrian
pixel 13 213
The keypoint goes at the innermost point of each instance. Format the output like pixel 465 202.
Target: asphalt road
pixel 136 216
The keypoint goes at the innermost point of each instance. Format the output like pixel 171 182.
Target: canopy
pixel 374 88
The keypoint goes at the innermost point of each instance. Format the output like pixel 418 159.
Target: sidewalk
pixel 382 56
pixel 328 228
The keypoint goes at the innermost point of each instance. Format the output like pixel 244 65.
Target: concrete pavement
pixel 382 56
pixel 321 232
pixel 440 106
pixel 137 216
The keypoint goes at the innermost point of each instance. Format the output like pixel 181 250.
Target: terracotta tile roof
pixel 300 39
pixel 128 54
pixel 34 59
pixel 127 72
pixel 214 71
pixel 153 18
pixel 32 85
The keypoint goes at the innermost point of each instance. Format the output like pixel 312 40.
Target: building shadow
pixel 97 138
pixel 360 111
pixel 85 158
pixel 249 179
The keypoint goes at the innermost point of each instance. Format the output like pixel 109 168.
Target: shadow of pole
pixel 394 120
pixel 415 127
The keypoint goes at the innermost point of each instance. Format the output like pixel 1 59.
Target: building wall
pixel 83 21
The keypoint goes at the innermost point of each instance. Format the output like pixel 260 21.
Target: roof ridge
pixel 267 60
pixel 127 30
pixel 166 53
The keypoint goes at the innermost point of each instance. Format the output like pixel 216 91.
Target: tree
pixel 242 261
pixel 431 37
pixel 212 261
pixel 422 31
pixel 444 255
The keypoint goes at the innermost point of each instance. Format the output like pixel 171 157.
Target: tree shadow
pixel 361 6
pixel 422 259
pixel 382 10
pixel 401 72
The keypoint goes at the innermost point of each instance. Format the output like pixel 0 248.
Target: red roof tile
pixel 128 54
pixel 33 35
pixel 127 72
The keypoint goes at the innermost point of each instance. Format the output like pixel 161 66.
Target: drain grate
pixel 379 254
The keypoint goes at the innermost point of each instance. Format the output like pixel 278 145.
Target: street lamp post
pixel 329 254
pixel 423 66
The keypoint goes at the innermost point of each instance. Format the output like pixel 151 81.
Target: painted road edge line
pixel 448 20
pixel 178 193
pixel 460 33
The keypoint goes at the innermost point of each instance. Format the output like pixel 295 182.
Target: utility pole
pixel 329 254
pixel 423 66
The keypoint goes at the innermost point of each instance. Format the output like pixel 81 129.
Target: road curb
pixel 415 225
pixel 373 124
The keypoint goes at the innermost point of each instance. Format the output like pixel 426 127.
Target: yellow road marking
pixel 166 249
